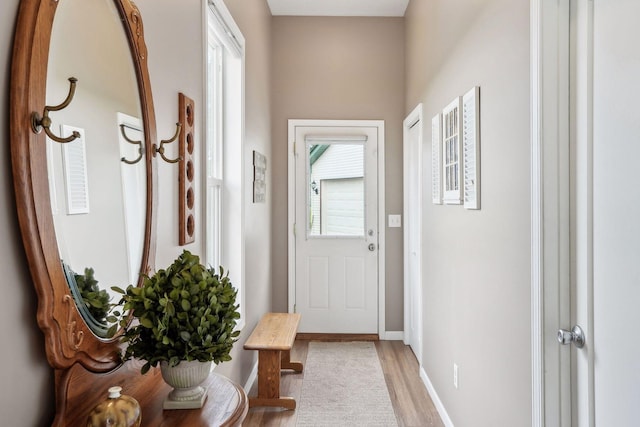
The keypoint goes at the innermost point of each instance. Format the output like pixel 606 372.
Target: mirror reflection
pixel 98 200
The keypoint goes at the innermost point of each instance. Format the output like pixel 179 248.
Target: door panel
pixel 318 280
pixel 336 235
pixel 616 229
pixel 606 381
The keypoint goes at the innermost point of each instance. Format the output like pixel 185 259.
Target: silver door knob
pixel 575 336
pixel 372 247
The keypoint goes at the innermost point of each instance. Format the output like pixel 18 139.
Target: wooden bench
pixel 273 337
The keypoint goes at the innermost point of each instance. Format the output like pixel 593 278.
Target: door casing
pixel 550 211
pixel 379 124
pixel 582 210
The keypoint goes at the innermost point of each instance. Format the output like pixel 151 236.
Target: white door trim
pixel 582 287
pixel 415 118
pixel 379 124
pixel 550 248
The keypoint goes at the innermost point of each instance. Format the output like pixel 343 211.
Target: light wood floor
pixel 411 402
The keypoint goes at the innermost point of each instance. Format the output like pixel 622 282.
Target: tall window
pixel 224 145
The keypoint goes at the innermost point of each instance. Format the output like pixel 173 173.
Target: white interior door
pixel 606 380
pixel 336 229
pixel 412 165
pixel 616 210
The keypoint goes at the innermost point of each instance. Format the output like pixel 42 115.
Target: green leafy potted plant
pixel 186 313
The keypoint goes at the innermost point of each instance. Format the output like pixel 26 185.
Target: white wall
pixel 476 272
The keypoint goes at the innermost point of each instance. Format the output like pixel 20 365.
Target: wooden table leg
pixel 286 363
pixel 269 382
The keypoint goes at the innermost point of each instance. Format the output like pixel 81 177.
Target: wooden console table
pixel 273 337
pixel 226 403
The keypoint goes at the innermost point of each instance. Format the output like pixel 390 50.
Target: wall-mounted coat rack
pixel 38 123
pixel 186 173
pixel 160 149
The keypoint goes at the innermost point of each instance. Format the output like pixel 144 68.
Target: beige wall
pixel 476 263
pixel 254 19
pixel 174 35
pixel 339 68
pixel 26 399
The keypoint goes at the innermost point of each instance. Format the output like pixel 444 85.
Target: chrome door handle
pixel 372 247
pixel 575 336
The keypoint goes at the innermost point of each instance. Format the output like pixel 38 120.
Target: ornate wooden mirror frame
pixel 71 347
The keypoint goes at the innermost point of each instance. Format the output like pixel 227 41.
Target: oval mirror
pixel 85 215
pixel 97 182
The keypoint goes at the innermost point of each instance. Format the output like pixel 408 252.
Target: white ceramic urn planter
pixel 185 378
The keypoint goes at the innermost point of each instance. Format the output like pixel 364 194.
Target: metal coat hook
pixel 38 123
pixel 138 143
pixel 160 150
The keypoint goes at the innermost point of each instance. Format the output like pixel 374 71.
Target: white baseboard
pixel 252 378
pixel 436 399
pixel 393 336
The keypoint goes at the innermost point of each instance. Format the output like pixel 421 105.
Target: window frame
pixel 224 54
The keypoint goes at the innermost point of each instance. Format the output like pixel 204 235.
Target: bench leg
pixel 269 382
pixel 286 363
pixel 281 402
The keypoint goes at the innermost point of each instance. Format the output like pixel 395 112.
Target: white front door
pixel 335 198
pixel 606 297
pixel 412 165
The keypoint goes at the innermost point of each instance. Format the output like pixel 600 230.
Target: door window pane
pixel 335 183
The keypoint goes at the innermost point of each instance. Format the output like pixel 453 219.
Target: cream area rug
pixel 344 385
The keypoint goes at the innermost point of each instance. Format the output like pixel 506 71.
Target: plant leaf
pixel 145 368
pixel 146 322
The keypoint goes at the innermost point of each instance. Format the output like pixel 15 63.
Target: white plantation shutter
pixel 451 153
pixel 436 160
pixel 75 172
pixel 470 148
